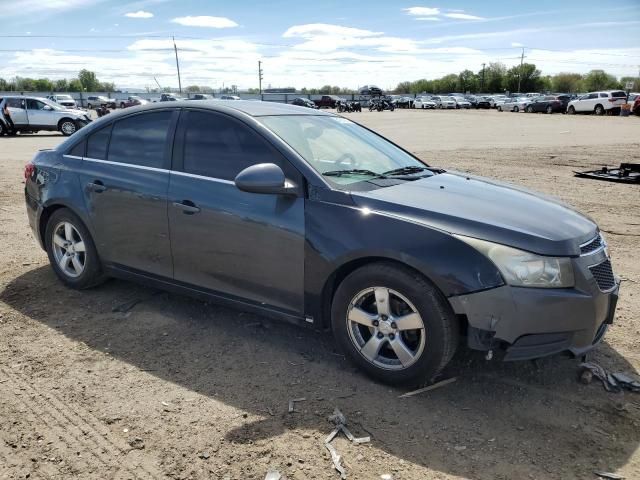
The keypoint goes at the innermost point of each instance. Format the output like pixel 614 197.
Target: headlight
pixel 525 269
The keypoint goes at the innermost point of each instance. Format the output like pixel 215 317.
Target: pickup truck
pixel 328 101
pixel 32 114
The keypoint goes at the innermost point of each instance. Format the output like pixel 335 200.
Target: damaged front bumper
pixel 536 322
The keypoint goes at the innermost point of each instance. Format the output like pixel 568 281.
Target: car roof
pixel 254 109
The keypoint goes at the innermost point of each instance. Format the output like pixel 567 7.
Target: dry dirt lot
pixel 177 388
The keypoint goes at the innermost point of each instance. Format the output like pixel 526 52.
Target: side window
pixel 78 150
pixel 15 103
pixel 34 104
pixel 218 146
pixel 592 95
pixel 141 139
pixel 604 95
pixel 98 143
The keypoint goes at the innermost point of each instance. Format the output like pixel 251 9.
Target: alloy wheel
pixel 69 249
pixel 68 128
pixel 386 328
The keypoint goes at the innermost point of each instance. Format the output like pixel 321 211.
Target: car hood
pixel 485 209
pixel 72 111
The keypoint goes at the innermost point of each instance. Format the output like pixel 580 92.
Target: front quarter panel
pixel 338 234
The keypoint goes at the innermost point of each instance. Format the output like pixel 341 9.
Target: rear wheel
pixel 394 324
pixel 72 253
pixel 549 109
pixel 516 109
pixel 571 110
pixel 529 110
pixel 121 104
pixel 599 110
pixel 500 108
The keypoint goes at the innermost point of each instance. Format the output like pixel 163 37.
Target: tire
pixel 516 109
pixel 499 109
pixel 89 106
pixel 425 351
pixel 67 127
pixel 121 104
pixel 3 129
pixel 549 109
pixel 571 110
pixel 529 110
pixel 599 110
pixel 72 275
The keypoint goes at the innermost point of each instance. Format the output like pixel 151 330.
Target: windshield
pixel 64 97
pixel 334 144
pixel 54 105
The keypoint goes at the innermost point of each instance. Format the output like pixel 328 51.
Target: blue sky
pixel 346 43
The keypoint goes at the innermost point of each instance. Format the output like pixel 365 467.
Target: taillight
pixel 29 170
pixel 614 99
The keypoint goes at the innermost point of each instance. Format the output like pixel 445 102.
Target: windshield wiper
pixel 353 171
pixel 406 170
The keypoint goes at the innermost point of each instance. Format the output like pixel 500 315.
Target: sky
pixel 309 44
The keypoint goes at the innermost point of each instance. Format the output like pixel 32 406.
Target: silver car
pixel 461 102
pixel 518 104
pixel 444 102
pixel 32 114
pixel 63 99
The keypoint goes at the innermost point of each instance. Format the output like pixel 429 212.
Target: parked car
pixel 598 102
pixel 100 101
pixel 371 90
pixel 32 114
pixel 201 96
pixel 461 102
pixel 168 97
pixel 424 103
pixel 404 102
pixel 548 104
pixel 134 100
pixel 443 102
pixel 634 100
pixel 423 256
pixel 494 100
pixel 482 102
pixel 514 104
pixel 303 102
pixel 64 100
pixel 328 101
pixel 230 97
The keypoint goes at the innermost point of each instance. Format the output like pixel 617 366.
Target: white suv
pixel 597 102
pixel 64 100
pixel 32 114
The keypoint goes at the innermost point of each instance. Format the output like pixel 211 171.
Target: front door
pixel 125 178
pixel 40 114
pixel 241 244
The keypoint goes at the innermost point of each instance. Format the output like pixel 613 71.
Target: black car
pixel 309 217
pixel 404 102
pixel 371 90
pixel 549 104
pixel 482 102
pixel 304 102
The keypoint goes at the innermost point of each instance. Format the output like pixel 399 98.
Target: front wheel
pixel 571 110
pixel 529 110
pixel 68 127
pixel 516 109
pixel 499 109
pixel 394 324
pixel 549 109
pixel 72 253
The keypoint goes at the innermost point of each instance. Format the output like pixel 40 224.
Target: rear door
pixel 587 103
pixel 224 240
pixel 18 110
pixel 125 178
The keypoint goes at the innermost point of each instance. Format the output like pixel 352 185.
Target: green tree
pixel 43 85
pixel 4 85
pixel 467 81
pixel 635 80
pixel 599 80
pixel 61 85
pixel 107 86
pixel 193 89
pixel 567 82
pixel 403 87
pixel 325 90
pixel 88 80
pixel 527 76
pixel 75 85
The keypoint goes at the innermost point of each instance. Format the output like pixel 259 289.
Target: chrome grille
pixel 591 246
pixel 603 273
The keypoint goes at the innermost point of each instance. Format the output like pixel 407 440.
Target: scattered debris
pixel 626 173
pixel 429 388
pixel 137 443
pixel 610 476
pixel 612 382
pixel 340 421
pixel 204 456
pixel 273 475
pixel 125 307
pixel 292 403
pixel 386 476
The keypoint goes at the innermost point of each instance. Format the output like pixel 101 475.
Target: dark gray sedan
pixel 309 217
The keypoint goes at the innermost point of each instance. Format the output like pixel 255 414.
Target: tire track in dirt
pixel 79 430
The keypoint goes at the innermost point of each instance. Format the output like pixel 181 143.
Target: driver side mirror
pixel 265 178
pixel 47 107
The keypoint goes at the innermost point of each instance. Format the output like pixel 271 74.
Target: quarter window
pixel 78 150
pixel 220 147
pixel 141 139
pixel 98 142
pixel 15 103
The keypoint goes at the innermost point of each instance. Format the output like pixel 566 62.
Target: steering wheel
pixel 347 161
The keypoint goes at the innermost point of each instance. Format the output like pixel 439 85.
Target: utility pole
pixel 482 81
pixel 260 76
pixel 520 71
pixel 175 49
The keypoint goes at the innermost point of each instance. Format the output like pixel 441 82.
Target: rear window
pixel 619 94
pixel 141 139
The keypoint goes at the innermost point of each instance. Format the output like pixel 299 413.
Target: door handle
pixel 96 186
pixel 187 207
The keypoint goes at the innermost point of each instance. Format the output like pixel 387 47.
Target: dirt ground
pixel 181 389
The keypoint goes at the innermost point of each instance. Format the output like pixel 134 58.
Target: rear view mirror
pixel 264 178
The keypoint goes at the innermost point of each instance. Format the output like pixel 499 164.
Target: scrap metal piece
pixel 332 435
pixel 610 476
pixel 626 173
pixel 292 403
pixel 429 388
pixel 273 475
pixel 338 418
pixel 337 460
pixel 349 435
pixel 602 375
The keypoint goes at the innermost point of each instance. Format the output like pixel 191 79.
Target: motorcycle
pixel 342 106
pixel 380 104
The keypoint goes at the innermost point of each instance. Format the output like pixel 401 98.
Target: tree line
pixel 85 82
pixel 495 77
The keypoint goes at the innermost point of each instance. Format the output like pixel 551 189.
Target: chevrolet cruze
pixel 307 216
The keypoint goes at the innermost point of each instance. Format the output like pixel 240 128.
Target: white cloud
pixel 429 19
pixel 516 44
pixel 422 11
pixel 41 8
pixel 139 14
pixel 205 21
pixel 311 30
pixel 462 16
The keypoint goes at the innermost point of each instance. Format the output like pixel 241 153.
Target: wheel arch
pixel 334 280
pixel 48 210
pixel 64 119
